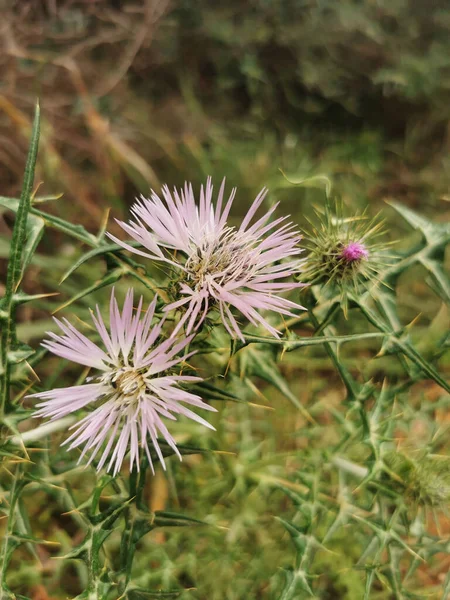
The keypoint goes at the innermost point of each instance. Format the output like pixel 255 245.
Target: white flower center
pixel 230 257
pixel 128 383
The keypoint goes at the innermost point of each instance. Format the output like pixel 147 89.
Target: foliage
pixel 337 480
pixel 162 93
pixel 328 473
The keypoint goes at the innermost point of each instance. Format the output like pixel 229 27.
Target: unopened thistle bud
pixel 424 480
pixel 344 253
pixel 354 251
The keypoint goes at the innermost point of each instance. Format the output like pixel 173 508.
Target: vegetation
pixel 328 475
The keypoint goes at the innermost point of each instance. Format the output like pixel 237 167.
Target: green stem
pixel 11 521
pixel 344 374
pixel 8 306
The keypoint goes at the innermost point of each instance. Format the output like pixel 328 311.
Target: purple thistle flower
pixel 354 251
pixel 220 265
pixel 132 391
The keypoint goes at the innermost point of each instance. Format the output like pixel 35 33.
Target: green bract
pixel 346 254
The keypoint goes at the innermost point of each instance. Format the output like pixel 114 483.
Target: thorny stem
pixel 11 521
pixel 127 548
pixel 347 379
pixel 350 467
pixel 8 306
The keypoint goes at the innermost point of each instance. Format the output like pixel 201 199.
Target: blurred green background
pixel 140 93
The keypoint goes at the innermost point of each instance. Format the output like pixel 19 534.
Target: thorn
pixel 262 406
pixel 227 368
pixel 43 199
pixel 103 224
pixel 414 321
pixel 71 512
pixel 34 192
pixel 30 368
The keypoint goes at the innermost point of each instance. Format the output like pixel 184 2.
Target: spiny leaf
pixel 439 276
pixel 141 594
pixel 295 581
pixel 295 497
pixel 34 230
pixel 164 518
pixel 260 363
pixel 184 450
pixel 100 251
pixel 20 226
pixel 19 353
pixel 16 266
pixel 108 279
pixel 211 392
pixel 22 298
pixel 297 342
pixel 431 231
pixel 76 231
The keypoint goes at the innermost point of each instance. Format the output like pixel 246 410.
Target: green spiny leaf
pixel 16 266
pixel 100 251
pixel 164 518
pixel 20 226
pixel 141 594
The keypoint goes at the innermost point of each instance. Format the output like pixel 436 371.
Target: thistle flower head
pixel 132 392
pixel 354 251
pixel 344 253
pixel 216 264
pixel 424 480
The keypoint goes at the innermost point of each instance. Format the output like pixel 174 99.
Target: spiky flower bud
pixel 424 480
pixel 354 251
pixel 344 253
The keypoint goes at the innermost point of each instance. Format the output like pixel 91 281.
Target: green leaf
pixel 426 368
pixel 432 232
pixel 297 535
pixel 183 449
pixel 439 276
pixel 16 265
pixel 109 278
pixel 10 542
pixel 34 230
pixel 19 353
pixel 76 231
pixel 211 392
pixel 260 363
pixel 20 226
pixel 415 220
pixel 295 582
pixel 100 251
pixel 141 594
pixel 164 518
pixel 315 181
pixel 296 342
pixel 296 498
pixel 22 298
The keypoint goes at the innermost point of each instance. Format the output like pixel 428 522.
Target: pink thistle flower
pixel 132 392
pixel 354 251
pixel 220 265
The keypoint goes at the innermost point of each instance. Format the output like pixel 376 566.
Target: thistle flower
pixel 133 390
pixel 354 251
pixel 344 253
pixel 218 265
